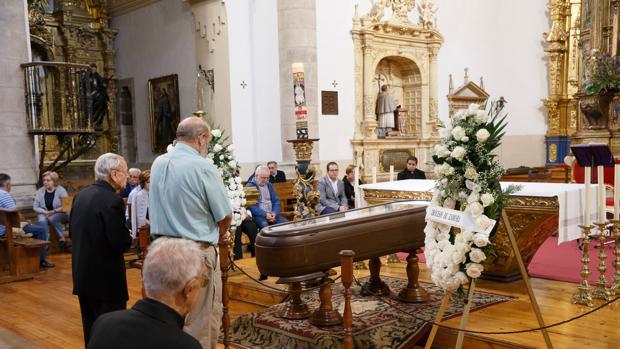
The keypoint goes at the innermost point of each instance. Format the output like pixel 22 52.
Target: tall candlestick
pixel 391 173
pixel 586 207
pixel 601 195
pixel 616 192
pixel 374 174
pixel 299 98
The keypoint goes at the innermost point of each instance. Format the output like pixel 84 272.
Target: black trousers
pixel 92 309
pixel 249 228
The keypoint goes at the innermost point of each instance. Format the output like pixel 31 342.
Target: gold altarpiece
pixel 77 31
pixel 402 55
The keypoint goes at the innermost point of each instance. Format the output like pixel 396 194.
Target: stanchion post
pixel 346 261
pixel 526 278
pixel 224 250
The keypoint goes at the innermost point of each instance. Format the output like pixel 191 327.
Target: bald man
pixel 188 200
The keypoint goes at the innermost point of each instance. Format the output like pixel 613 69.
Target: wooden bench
pixel 287 198
pixel 19 258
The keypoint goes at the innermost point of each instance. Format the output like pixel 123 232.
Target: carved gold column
pixel 562 51
pixel 370 122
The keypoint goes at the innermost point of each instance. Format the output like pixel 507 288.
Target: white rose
pixel 470 173
pixel 474 270
pixel 210 155
pixel 221 157
pixel 217 148
pixel 448 170
pixel 458 153
pixel 230 147
pixel 481 240
pixel 475 209
pixel 210 161
pixel 476 255
pixel 462 195
pixel 461 277
pixel 443 236
pixel 443 244
pixel 487 199
pixel 458 258
pixel 441 150
pixel 467 235
pixel 169 148
pixel 459 115
pixel 458 133
pixel 216 133
pixel 232 163
pixel 482 135
pixel 473 108
pixel 481 116
pixel 232 187
pixel 231 180
pixel 465 139
pixel 473 197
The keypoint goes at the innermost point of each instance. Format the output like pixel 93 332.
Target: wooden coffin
pixel 312 245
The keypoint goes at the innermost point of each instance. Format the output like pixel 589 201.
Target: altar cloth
pixel 570 199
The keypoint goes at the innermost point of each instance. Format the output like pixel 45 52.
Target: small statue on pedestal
pixel 385 112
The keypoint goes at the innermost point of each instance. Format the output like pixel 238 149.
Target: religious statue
pixel 401 10
pixel 99 97
pixel 427 14
pixel 376 12
pixel 385 112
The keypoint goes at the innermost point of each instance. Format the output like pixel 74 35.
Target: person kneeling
pixel 172 274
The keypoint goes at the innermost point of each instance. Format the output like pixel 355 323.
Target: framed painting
pixel 164 111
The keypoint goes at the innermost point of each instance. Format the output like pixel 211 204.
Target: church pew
pixel 287 198
pixel 20 255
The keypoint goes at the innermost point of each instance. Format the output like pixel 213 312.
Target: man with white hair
pixel 172 275
pixel 100 237
pixel 188 200
pixel 266 211
pixel 132 182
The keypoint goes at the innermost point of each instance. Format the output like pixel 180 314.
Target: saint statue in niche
pixel 99 97
pixel 385 112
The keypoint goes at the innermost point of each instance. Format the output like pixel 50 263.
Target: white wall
pixel 154 41
pixel 255 109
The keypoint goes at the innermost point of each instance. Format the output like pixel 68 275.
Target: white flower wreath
pixel 467 180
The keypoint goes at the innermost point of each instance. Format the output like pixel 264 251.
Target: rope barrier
pixel 392 305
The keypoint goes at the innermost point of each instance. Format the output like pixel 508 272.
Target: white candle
pixel 601 195
pixel 586 206
pixel 616 192
pixel 374 174
pixel 391 173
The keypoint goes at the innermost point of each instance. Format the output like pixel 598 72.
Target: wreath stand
pixel 470 297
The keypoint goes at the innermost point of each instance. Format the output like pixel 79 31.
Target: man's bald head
pixel 191 128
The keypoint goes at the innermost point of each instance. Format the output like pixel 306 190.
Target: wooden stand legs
pixel 413 293
pixel 326 315
pixel 295 309
pixel 375 286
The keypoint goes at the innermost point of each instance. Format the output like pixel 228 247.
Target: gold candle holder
pixel 615 287
pixel 601 288
pixel 584 295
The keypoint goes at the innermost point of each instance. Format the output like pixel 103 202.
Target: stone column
pixel 432 88
pixel 297 44
pixel 370 98
pixel 18 160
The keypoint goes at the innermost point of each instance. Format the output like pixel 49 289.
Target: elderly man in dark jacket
pixel 172 274
pixel 100 237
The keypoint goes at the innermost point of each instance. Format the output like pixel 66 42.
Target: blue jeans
pixel 38 232
pixel 56 220
pixel 328 210
pixel 262 221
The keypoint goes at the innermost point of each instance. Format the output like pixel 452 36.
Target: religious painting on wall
pixel 164 111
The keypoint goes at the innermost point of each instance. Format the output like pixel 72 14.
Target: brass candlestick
pixel 584 295
pixel 615 287
pixel 601 288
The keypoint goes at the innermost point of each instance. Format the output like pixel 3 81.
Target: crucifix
pixel 334 83
pixel 379 79
pixel 243 84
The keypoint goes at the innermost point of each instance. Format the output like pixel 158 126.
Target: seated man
pixel 275 175
pixel 331 190
pixel 38 231
pixel 172 274
pixel 266 211
pixel 411 172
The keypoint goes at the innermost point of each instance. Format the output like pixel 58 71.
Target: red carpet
pixel 563 262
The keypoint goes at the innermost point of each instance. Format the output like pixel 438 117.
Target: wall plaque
pixel 329 102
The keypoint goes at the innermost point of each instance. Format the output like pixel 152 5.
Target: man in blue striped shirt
pixel 37 231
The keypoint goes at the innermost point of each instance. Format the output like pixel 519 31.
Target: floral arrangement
pixel 468 180
pixel 602 74
pixel 221 155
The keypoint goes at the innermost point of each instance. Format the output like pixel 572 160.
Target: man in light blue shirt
pixel 188 200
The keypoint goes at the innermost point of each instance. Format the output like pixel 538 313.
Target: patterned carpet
pixel 376 324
